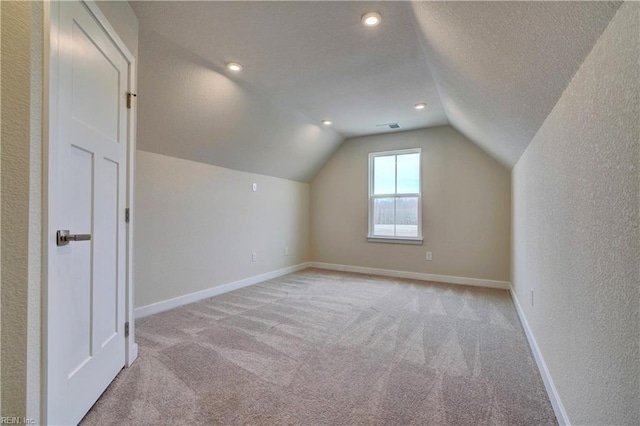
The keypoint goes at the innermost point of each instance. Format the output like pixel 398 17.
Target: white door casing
pixel 87 299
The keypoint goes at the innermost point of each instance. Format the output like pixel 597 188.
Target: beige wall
pixel 576 240
pixel 0 218
pixel 197 225
pixel 466 208
pixel 21 217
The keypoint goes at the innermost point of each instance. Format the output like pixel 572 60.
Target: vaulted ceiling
pixel 492 70
pixel 500 67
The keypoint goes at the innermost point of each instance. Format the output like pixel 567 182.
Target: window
pixel 395 201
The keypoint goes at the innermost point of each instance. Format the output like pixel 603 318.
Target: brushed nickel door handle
pixel 63 237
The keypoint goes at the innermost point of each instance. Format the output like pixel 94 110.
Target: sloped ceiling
pixel 189 108
pixel 492 70
pixel 501 66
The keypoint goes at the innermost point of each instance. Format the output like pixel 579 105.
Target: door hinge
pixel 127 215
pixel 129 96
pixel 126 329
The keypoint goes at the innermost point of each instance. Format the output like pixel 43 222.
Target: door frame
pixel 50 179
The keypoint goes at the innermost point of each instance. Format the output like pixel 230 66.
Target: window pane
pixel 407 216
pixel 383 217
pixel 409 173
pixel 384 175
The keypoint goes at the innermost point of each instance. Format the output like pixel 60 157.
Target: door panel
pixel 107 203
pixel 78 316
pixel 86 306
pixel 95 77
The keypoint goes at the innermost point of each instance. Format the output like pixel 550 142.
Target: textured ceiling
pixel 189 109
pixel 493 70
pixel 315 57
pixel 501 67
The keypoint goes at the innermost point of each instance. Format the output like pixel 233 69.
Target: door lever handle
pixel 63 237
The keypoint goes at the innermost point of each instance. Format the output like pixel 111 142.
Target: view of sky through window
pixel 408 174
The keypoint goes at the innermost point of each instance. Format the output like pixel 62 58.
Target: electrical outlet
pixel 532 297
pixel 429 255
pixel 254 187
pixel 286 251
pixel 254 257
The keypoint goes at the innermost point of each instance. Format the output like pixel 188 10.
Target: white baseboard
pixel 556 403
pixel 413 275
pixel 165 305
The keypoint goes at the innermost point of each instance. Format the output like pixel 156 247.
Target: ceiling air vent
pixel 388 126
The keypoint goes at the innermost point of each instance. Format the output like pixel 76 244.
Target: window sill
pixel 395 240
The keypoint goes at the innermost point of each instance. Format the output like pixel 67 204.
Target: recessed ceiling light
pixel 420 106
pixel 326 122
pixel 371 19
pixel 234 66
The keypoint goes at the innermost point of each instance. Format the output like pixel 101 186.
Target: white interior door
pixel 86 294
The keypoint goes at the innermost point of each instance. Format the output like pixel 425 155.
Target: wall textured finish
pixel 34 304
pixel 197 225
pixel 0 217
pixel 466 208
pixel 21 193
pixel 576 236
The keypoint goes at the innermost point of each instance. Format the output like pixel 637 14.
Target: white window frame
pixel 371 237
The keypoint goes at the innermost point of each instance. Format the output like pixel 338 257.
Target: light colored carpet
pixel 320 347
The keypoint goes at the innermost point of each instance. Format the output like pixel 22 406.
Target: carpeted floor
pixel 320 347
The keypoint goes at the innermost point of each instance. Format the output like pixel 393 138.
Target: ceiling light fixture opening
pixel 371 19
pixel 420 106
pixel 327 122
pixel 234 66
